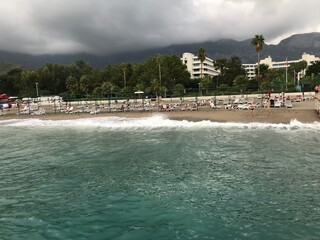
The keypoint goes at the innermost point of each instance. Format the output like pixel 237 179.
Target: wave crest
pixel 154 122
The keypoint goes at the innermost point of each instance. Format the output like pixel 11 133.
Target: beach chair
pixel 69 110
pixel 40 111
pixel 185 107
pixel 288 104
pixel 298 98
pixel 264 103
pixel 226 101
pixel 229 106
pixel 212 105
pixel 243 106
pixel 194 108
pixel 26 110
pixel 94 112
pixel 235 102
pixel 242 101
pixel 277 104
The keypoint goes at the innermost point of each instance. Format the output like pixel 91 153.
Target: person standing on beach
pixel 268 107
pixel 252 107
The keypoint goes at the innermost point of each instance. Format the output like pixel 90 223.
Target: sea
pixel 155 178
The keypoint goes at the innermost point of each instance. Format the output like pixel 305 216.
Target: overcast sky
pixel 111 26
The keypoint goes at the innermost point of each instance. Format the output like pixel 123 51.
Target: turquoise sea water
pixel 117 178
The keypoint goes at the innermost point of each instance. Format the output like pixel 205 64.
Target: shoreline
pixel 304 112
pixel 279 115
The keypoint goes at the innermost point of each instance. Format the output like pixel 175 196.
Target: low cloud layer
pixel 106 27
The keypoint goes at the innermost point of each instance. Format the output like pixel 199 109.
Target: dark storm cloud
pixel 110 26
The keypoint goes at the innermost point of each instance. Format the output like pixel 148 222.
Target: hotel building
pixel 250 68
pixel 194 66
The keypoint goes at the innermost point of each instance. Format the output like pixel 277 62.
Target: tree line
pixel 159 75
pixel 163 75
pixel 80 79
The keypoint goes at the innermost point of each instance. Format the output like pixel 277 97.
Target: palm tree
pixel 159 66
pixel 72 84
pixel 258 42
pixel 202 58
pixel 155 87
pixel 107 87
pixel 85 83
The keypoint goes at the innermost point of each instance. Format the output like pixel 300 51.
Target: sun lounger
pixel 69 110
pixel 226 101
pixel 288 104
pixel 242 101
pixel 243 106
pixel 96 111
pixel 212 105
pixel 230 106
pixel 40 111
pixel 307 98
pixel 236 101
pixel 277 104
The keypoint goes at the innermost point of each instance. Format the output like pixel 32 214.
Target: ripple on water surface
pixel 209 182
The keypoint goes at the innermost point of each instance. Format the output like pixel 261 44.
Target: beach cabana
pixel 140 94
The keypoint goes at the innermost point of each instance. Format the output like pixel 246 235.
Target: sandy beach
pixel 302 111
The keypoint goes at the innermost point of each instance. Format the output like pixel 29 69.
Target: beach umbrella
pixel 4 96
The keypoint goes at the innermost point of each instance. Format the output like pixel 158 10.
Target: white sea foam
pixel 155 122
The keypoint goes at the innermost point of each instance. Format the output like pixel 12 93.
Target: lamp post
pixel 124 78
pixel 199 89
pixel 37 89
pixel 159 66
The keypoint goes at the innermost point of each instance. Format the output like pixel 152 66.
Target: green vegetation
pixel 80 80
pixel 202 58
pixel 163 75
pixel 258 42
pixel 312 78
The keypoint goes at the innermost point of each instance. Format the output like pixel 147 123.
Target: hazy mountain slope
pixel 291 47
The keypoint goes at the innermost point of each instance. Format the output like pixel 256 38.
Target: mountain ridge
pixel 292 48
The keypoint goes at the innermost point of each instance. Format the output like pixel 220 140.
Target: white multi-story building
pixel 250 68
pixel 194 66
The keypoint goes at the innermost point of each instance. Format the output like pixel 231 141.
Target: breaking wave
pixel 154 122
